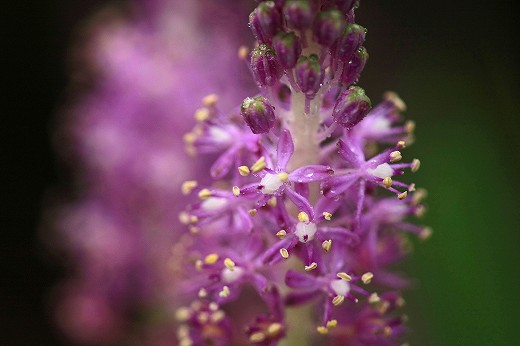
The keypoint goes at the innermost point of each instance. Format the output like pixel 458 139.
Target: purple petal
pixel 296 279
pixel 310 173
pixel 298 298
pixel 285 150
pixel 301 202
pixel 346 152
pixel 222 166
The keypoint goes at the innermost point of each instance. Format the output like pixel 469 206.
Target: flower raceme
pixel 305 170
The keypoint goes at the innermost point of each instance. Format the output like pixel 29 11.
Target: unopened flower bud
pixel 288 48
pixel 299 13
pixel 265 21
pixel 350 41
pixel 309 74
pixel 328 26
pixel 353 69
pixel 265 66
pixel 258 114
pixel 351 107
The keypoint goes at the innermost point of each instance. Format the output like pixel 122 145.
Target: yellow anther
pixel 189 138
pixel 184 217
pixel 374 298
pixel 284 253
pixel 338 300
pixel 274 329
pixel 243 52
pixel 383 307
pixel 213 306
pixel 204 194
pixel 322 330
pixel 183 331
pixel 194 230
pixel 411 188
pixel 387 182
pixel 281 234
pixel 387 331
pixel 416 164
pixel 194 219
pixel 344 276
pixel 410 126
pixel 201 114
pixel 401 144
pixel 217 316
pixel 400 302
pixel 327 216
pixel 332 323
pixel 425 233
pixel 396 100
pixel 395 156
pixel 203 293
pixel 312 266
pixel 224 293
pixel 420 210
pixel 212 258
pixel 185 342
pixel 188 186
pixel 367 277
pixel 259 165
pixel 203 317
pixel 229 264
pixel 272 202
pixel 283 176
pixel 236 191
pixel 252 212
pixel 326 245
pixel 244 171
pixel 303 217
pixel 419 195
pixel 182 314
pixel 257 337
pixel 198 265
pixel 210 100
pixel 402 195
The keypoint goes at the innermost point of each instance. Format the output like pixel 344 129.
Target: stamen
pixel 236 191
pixel 194 230
pixel 410 126
pixel 332 323
pixel 213 306
pixel 401 144
pixel 284 253
pixel 259 165
pixel 189 138
pixel 303 217
pixel 224 293
pixel 229 264
pixel 367 277
pixel 338 300
pixel 283 176
pixel 211 258
pixel 217 316
pixel 203 293
pixel 387 182
pixel 272 202
pixel 210 100
pixel 411 187
pixel 243 52
pixel 395 156
pixel 201 114
pixel 252 212
pixel 416 164
pixel 400 302
pixel 344 276
pixel 312 266
pixel 244 171
pixel 374 298
pixel 204 194
pixel 403 195
pixel 425 233
pixel 198 265
pixel 281 234
pixel 184 217
pixel 182 314
pixel 322 330
pixel 396 100
pixel 188 186
pixel 257 337
pixel 274 329
pixel 326 245
pixel 327 216
pixel 387 331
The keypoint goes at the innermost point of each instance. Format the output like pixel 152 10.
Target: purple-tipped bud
pixel 265 66
pixel 288 49
pixel 265 21
pixel 299 13
pixel 258 114
pixel 351 107
pixel 350 41
pixel 327 27
pixel 309 74
pixel 353 69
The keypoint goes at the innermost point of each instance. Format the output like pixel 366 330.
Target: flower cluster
pixel 307 170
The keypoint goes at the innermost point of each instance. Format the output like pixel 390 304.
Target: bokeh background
pixel 455 63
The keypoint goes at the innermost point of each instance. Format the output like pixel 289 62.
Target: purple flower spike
pixel 258 114
pixel 265 66
pixel 265 21
pixel 351 107
pixel 350 41
pixel 353 69
pixel 288 49
pixel 309 74
pixel 299 13
pixel 327 27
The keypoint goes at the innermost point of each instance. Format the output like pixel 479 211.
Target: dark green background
pixel 455 65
